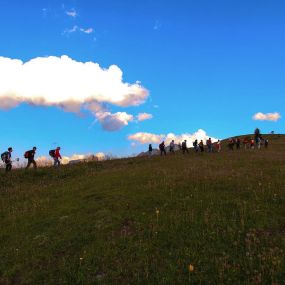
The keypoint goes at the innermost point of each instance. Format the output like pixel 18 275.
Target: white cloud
pixel 44 161
pixel 114 122
pixel 144 116
pixel 72 13
pixel 145 138
pixel 87 31
pixel 70 85
pixel 48 161
pixel 88 157
pixel 274 117
pixel 74 29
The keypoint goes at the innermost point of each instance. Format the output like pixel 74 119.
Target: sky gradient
pixel 208 65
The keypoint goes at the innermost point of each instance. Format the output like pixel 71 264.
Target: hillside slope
pixel 144 221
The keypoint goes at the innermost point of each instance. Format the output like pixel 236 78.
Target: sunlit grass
pixel 198 219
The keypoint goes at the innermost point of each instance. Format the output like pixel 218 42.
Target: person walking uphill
pixel 184 147
pixel 30 155
pixel 57 156
pixel 172 147
pixel 201 146
pixel 195 145
pixel 162 148
pixel 7 159
pixel 209 145
pixel 149 150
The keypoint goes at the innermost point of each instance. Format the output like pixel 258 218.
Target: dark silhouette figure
pixel 149 149
pixel 30 155
pixel 231 144
pixel 7 159
pixel 162 148
pixel 201 146
pixel 209 145
pixel 238 142
pixel 172 147
pixel 195 145
pixel 184 147
pixel 257 135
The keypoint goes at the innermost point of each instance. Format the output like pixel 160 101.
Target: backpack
pixel 52 153
pixel 26 154
pixel 4 156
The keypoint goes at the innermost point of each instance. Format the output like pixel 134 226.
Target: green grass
pixel 143 221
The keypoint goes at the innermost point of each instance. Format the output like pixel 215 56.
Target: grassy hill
pixel 144 221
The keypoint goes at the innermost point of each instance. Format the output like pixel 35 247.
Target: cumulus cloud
pixel 43 161
pixel 144 116
pixel 274 117
pixel 114 122
pixel 70 85
pixel 145 138
pixel 87 157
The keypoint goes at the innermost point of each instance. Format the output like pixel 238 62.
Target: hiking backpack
pixel 52 153
pixel 4 156
pixel 26 154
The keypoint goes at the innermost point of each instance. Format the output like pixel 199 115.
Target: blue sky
pixel 207 65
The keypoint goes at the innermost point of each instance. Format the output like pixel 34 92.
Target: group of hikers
pixel 248 143
pixel 30 156
pixel 197 146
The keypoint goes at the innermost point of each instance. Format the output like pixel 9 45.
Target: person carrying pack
pixel 149 149
pixel 162 148
pixel 195 145
pixel 238 142
pixel 172 146
pixel 30 155
pixel 184 147
pixel 218 146
pixel 52 153
pixel 56 157
pixel 201 146
pixel 209 145
pixel 231 144
pixel 7 159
